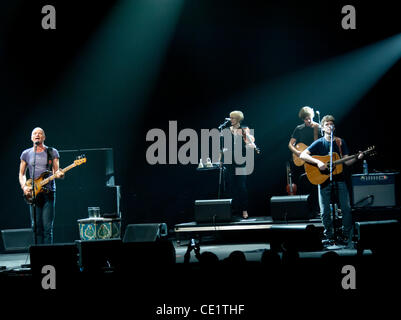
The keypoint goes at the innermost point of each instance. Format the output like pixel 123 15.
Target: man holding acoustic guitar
pixel 317 170
pixel 47 159
pixel 302 137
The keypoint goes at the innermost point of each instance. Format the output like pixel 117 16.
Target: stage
pixel 252 236
pixel 233 267
pixel 19 262
pixel 252 230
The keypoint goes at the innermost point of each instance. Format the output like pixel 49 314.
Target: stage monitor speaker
pixel 285 208
pixel 374 190
pixel 62 258
pixel 17 239
pixel 378 235
pixel 211 211
pixel 145 232
pixel 96 255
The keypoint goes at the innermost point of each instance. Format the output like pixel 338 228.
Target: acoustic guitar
pixel 43 180
pixel 297 160
pixel 317 176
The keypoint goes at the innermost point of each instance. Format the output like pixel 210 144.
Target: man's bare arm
pixel 22 177
pixel 305 155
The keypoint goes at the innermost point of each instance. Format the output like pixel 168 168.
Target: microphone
pixel 37 143
pixel 317 112
pixel 225 123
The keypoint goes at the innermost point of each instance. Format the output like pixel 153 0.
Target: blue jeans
pixel 45 210
pixel 344 204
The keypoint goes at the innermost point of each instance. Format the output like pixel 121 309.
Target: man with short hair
pixel 321 147
pixel 38 160
pixel 305 133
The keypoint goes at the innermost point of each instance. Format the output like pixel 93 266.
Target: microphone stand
pixel 221 167
pixel 333 187
pixel 320 127
pixel 34 197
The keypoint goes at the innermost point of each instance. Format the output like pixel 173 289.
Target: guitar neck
pixel 47 180
pixel 342 160
pixel 351 157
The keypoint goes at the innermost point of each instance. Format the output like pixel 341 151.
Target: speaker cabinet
pixel 285 208
pixel 59 259
pixel 378 235
pixel 96 255
pixel 374 190
pixel 17 239
pixel 145 232
pixel 211 211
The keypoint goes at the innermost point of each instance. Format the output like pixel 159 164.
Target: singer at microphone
pixel 237 183
pixel 314 155
pixel 39 160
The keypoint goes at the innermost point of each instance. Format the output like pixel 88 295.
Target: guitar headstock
pixel 80 160
pixel 371 151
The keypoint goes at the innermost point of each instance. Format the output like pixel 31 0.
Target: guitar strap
pixel 339 143
pixel 49 158
pixel 315 133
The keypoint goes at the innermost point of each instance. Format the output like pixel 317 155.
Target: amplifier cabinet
pixel 374 190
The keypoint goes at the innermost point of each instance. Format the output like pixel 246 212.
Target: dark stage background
pixel 113 70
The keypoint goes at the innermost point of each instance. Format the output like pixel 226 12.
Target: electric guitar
pixel 297 160
pixel 43 180
pixel 316 176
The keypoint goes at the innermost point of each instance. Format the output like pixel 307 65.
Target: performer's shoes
pixel 345 241
pixel 328 242
pixel 245 215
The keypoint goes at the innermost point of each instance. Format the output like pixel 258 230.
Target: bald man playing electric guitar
pixel 46 159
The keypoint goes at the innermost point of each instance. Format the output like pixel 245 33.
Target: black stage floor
pixel 252 251
pixel 252 236
pixel 285 269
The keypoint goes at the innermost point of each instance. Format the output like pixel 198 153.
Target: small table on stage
pixel 221 169
pixel 99 228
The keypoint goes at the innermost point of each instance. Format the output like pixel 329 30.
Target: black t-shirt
pixel 304 134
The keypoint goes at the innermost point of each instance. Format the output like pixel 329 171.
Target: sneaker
pixel 328 242
pixel 344 241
